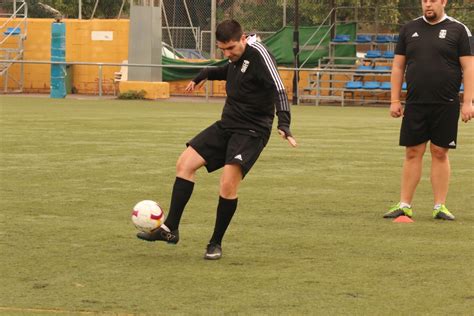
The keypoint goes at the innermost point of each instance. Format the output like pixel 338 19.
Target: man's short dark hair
pixel 228 30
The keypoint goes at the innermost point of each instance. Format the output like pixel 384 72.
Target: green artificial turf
pixel 308 237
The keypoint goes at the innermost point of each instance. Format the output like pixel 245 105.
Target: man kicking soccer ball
pixel 234 142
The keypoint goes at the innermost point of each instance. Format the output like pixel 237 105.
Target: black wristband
pixel 286 130
pixel 284 119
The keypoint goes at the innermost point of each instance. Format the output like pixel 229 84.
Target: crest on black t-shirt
pixel 442 33
pixel 245 65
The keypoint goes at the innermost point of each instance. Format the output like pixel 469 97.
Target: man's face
pixel 433 10
pixel 233 50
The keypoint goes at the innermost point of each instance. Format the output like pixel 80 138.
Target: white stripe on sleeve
pixel 274 73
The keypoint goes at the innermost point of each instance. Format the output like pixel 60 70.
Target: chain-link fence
pixel 187 23
pixel 389 19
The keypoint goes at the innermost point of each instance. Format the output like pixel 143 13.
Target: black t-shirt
pixel 254 91
pixel 433 70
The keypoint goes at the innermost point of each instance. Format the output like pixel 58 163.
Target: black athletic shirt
pixel 433 71
pixel 254 88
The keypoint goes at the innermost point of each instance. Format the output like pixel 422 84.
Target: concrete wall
pixel 79 47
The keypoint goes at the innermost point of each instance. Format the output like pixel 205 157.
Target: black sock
pixel 225 211
pixel 182 191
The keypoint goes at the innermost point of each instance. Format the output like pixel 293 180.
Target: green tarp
pixel 280 45
pixel 172 74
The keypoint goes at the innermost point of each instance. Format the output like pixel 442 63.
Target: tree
pixel 266 15
pixel 70 9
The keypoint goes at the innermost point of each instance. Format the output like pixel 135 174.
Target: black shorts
pixel 435 123
pixel 220 147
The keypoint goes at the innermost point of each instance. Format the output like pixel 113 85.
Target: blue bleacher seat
pixel 461 88
pixel 12 31
pixel 383 39
pixel 382 68
pixel 370 85
pixel 373 54
pixel 385 85
pixel 363 39
pixel 395 39
pixel 340 38
pixel 404 86
pixel 354 85
pixel 388 54
pixel 363 68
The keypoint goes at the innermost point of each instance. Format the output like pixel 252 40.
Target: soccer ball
pixel 147 215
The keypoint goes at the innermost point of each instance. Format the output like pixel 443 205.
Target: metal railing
pixel 16 14
pixel 318 72
pixel 13 28
pixel 328 87
pixel 305 45
pixel 100 67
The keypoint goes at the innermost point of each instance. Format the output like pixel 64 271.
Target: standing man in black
pixel 436 51
pixel 253 88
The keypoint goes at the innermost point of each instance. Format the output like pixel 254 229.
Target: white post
pixel 95 8
pixel 284 13
pixel 213 40
pixel 190 21
pixel 121 9
pixel 213 28
pixel 80 10
pixel 100 80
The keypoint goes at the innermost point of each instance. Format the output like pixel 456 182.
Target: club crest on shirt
pixel 245 65
pixel 442 33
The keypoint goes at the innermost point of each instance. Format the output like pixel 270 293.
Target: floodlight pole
pixel 296 51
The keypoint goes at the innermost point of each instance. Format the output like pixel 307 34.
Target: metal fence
pixel 100 69
pixel 389 19
pixel 187 23
pixel 99 66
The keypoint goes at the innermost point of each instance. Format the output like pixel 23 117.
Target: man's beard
pixel 432 18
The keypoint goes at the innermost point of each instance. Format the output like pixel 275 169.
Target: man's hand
pixel 190 87
pixel 287 135
pixel 396 109
pixel 467 112
pixel 193 86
